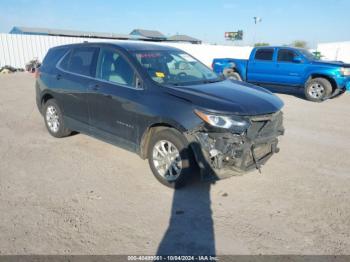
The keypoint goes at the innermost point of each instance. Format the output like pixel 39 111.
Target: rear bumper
pixel 222 155
pixel 38 97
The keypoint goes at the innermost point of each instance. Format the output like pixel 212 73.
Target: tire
pixel 234 76
pixel 171 140
pixel 231 74
pixel 56 126
pixel 318 89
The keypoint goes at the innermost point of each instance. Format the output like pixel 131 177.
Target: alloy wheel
pixel 167 160
pixel 52 119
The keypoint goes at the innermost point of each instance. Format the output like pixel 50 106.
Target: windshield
pixel 308 54
pixel 172 67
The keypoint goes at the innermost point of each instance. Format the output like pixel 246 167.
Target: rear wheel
pixel 54 119
pixel 231 74
pixel 170 158
pixel 318 89
pixel 235 76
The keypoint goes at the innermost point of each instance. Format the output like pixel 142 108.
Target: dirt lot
pixel 78 195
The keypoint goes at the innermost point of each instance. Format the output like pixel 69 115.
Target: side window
pixel 65 61
pixel 82 61
pixel 286 55
pixel 113 67
pixel 264 54
pixel 52 57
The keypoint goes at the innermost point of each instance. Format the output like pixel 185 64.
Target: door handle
pixel 94 87
pixel 107 96
pixel 58 76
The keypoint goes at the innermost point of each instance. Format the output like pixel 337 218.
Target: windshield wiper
pixel 209 81
pixel 204 81
pixel 173 84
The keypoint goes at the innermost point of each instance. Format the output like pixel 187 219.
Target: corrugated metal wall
pixel 16 50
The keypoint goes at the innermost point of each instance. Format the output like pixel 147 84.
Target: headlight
pixel 345 71
pixel 234 123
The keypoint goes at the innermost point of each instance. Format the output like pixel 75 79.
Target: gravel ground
pixel 78 195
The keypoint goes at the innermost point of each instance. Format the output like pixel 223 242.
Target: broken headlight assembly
pixel 235 124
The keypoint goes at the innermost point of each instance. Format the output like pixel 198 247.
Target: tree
pixel 317 54
pixel 261 44
pixel 299 44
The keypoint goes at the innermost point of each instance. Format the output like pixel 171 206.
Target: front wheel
pixel 170 158
pixel 318 89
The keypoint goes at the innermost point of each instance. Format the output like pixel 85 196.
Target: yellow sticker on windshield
pixel 160 74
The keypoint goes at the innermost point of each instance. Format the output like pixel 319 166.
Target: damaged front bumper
pixel 222 154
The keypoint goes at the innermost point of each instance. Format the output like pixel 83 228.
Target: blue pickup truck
pixel 286 66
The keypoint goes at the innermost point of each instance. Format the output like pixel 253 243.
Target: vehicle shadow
pixel 286 90
pixel 191 229
pixel 293 91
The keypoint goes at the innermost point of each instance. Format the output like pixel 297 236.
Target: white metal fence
pixel 17 50
pixel 337 51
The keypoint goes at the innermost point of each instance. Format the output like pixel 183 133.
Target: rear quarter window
pixel 51 59
pixel 82 61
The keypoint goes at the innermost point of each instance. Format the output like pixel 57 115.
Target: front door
pixel 112 97
pixel 290 67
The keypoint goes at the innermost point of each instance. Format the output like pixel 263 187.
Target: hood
pixel 229 97
pixel 330 63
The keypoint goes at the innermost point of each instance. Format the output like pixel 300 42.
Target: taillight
pixel 37 73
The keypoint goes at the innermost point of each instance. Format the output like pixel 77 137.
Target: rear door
pixel 76 70
pixel 289 69
pixel 47 77
pixel 114 97
pixel 262 66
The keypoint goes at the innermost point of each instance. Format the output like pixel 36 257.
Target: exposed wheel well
pixel 330 79
pixel 148 134
pixel 45 98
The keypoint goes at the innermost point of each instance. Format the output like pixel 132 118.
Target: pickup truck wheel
pixel 229 73
pixel 318 89
pixel 170 158
pixel 54 119
pixel 233 76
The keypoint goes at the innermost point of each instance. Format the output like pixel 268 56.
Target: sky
pixel 283 21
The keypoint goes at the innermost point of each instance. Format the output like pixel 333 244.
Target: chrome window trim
pixel 95 78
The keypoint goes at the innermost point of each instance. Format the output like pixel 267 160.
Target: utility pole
pixel 256 21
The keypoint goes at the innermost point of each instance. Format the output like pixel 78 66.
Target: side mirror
pixel 297 60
